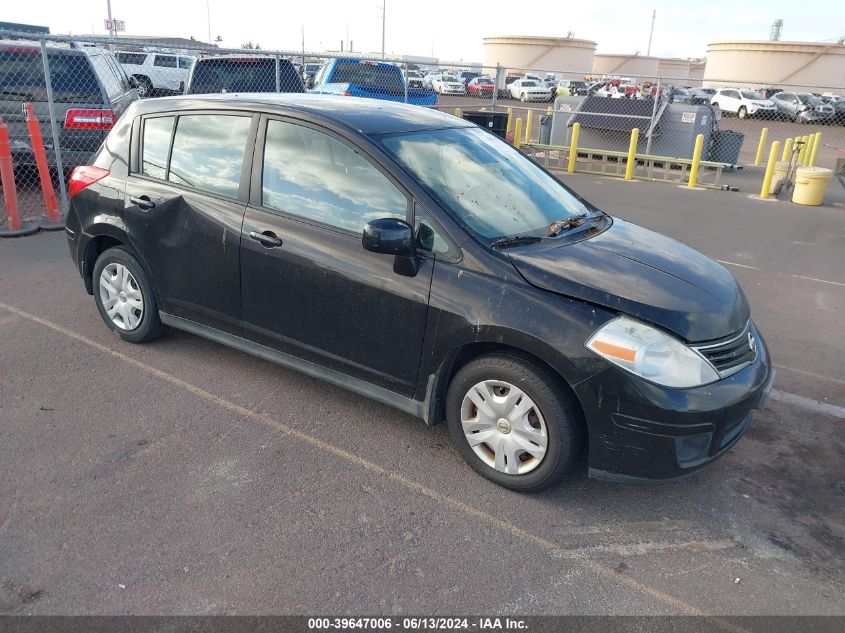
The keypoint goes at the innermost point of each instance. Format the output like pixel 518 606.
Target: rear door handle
pixel 267 239
pixel 142 202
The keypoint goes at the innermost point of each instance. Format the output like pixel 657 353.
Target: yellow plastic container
pixel 810 185
pixel 779 173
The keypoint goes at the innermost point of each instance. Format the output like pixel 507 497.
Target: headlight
pixel 651 354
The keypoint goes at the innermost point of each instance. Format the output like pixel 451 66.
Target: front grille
pixel 729 356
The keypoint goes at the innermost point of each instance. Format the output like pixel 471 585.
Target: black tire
pixel 742 112
pixel 150 326
pixel 145 86
pixel 564 430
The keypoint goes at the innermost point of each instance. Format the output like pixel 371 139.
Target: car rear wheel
pixel 145 86
pixel 125 298
pixel 523 97
pixel 742 112
pixel 512 423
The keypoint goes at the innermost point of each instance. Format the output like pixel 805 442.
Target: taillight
pixel 83 119
pixel 84 176
pixel 346 93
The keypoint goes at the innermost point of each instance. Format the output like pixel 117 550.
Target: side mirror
pixel 389 236
pixel 392 236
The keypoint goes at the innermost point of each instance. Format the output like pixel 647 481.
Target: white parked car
pixel 529 90
pixel 447 85
pixel 743 103
pixel 156 72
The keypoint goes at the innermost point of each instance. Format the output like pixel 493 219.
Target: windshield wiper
pixel 558 226
pixel 515 240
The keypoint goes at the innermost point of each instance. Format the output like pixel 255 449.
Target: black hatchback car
pixel 415 258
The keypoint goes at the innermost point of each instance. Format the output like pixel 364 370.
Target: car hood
pixel 643 274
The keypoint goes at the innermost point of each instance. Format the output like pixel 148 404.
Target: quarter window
pixel 208 152
pixel 168 61
pixel 156 146
pixel 312 175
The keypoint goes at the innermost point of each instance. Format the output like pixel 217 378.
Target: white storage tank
pixel 637 67
pixel 789 65
pixel 566 57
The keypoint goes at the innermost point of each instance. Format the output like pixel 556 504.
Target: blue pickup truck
pixel 365 78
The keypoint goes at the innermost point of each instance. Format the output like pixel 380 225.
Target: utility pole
pixel 208 18
pixel 383 20
pixel 651 32
pixel 111 22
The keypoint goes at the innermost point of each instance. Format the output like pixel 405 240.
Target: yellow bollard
pixel 517 132
pixel 808 152
pixel 632 154
pixel 528 127
pixel 458 113
pixel 510 123
pixel 696 161
pixel 770 169
pixel 573 148
pixel 764 134
pixel 549 110
pixel 803 151
pixel 816 144
pixel 787 150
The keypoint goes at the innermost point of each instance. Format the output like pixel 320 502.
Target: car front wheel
pixel 125 298
pixel 742 112
pixel 512 423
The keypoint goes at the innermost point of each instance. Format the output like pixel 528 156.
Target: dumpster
pixel 810 185
pixel 726 146
pixel 545 129
pixel 496 122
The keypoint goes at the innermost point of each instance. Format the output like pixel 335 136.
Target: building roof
pixel 368 116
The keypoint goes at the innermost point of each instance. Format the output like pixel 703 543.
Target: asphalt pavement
pixel 182 477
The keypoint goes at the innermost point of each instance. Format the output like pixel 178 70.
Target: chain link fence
pixel 60 95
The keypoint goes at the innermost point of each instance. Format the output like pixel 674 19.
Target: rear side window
pixel 367 74
pixel 313 175
pixel 22 76
pixel 156 146
pixel 248 74
pixel 167 61
pixel 208 152
pixel 185 62
pixel 108 75
pixel 131 58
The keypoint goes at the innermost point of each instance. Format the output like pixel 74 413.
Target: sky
pixel 450 30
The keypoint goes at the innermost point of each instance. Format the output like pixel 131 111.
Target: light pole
pixel 651 32
pixel 111 22
pixel 383 20
pixel 208 18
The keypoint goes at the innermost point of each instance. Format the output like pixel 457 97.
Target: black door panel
pixel 190 241
pixel 321 296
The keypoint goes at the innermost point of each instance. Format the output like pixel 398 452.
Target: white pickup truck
pixel 156 72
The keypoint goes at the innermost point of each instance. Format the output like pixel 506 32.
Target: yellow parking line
pixel 552 548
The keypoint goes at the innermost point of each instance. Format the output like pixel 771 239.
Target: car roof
pixel 367 116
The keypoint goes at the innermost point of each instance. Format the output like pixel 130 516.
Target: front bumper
pixel 639 431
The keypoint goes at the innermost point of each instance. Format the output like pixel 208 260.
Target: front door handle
pixel 268 239
pixel 142 202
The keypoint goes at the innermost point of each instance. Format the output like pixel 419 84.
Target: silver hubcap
pixel 121 296
pixel 504 427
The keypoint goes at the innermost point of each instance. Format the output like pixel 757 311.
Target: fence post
pixel 696 161
pixel 770 170
pixel 573 148
pixel 517 132
pixel 57 150
pixel 787 149
pixel 496 86
pixel 632 154
pixel 816 144
pixel 761 146
pixel 528 127
pixel 406 83
pixel 653 115
pixel 278 65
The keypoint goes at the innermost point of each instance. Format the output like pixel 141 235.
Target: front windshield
pixel 529 84
pixel 449 78
pixel 810 99
pixel 484 81
pixel 492 187
pixel 750 94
